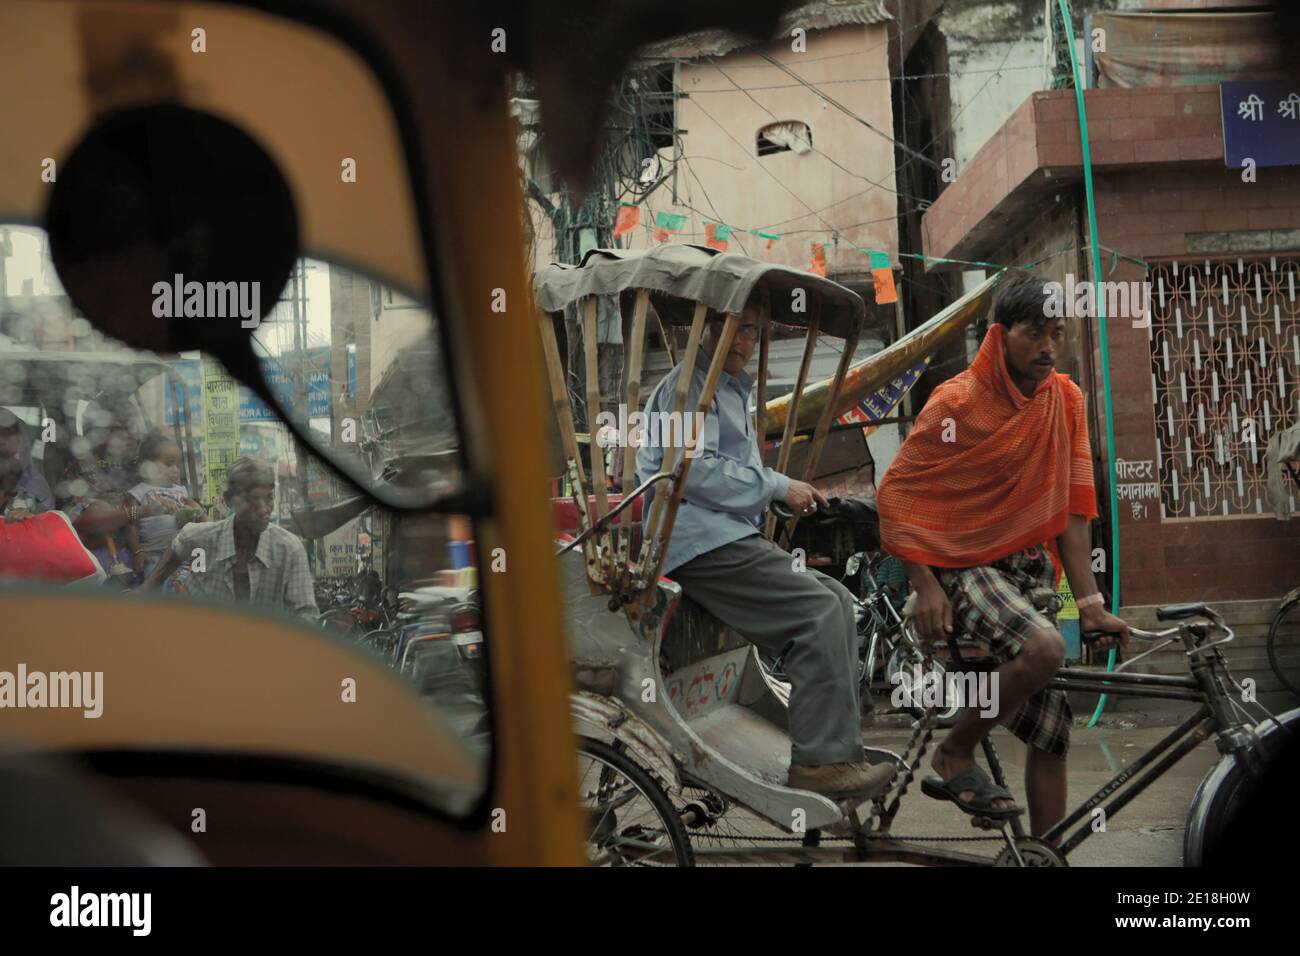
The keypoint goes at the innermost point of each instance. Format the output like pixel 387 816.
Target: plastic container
pixel 461 553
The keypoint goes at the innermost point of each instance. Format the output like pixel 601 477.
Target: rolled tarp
pixel 876 371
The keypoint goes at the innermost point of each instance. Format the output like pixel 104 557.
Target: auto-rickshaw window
pixel 118 467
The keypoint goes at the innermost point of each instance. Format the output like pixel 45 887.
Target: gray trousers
pixel 752 586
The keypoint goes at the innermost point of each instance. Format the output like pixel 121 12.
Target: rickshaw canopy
pixel 681 275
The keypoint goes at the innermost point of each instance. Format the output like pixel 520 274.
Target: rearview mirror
pixel 173 230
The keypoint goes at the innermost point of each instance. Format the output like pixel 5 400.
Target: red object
pixel 628 217
pixel 466 620
pixel 565 513
pixel 661 234
pixel 711 237
pixel 45 548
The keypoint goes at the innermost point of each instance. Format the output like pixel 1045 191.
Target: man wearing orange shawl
pixel 992 483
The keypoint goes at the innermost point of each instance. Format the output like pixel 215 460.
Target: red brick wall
pixel 1148 215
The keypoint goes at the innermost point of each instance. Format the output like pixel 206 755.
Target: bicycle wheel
pixel 1224 800
pixel 902 669
pixel 629 819
pixel 1284 643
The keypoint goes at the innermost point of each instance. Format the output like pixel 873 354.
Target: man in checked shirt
pixel 245 558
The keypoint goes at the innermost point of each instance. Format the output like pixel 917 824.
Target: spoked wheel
pixel 628 818
pixel 1033 851
pixel 902 670
pixel 1284 643
pixel 381 641
pixel 718 824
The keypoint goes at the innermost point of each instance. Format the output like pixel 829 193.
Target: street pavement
pixel 1146 832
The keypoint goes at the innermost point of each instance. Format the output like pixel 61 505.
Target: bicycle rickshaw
pixel 682 733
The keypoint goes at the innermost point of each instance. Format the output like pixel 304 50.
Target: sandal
pixel 984 790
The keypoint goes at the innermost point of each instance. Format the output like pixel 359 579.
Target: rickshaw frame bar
pixel 706 399
pixel 633 403
pixel 792 416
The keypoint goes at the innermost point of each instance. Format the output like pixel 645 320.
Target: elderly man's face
pixel 253 507
pixel 742 345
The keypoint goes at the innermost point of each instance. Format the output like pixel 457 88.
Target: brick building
pixel 1202 375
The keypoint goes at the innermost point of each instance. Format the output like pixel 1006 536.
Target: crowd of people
pixel 120 514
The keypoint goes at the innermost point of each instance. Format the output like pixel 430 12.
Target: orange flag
pixel 711 237
pixel 818 264
pixel 662 234
pixel 628 217
pixel 885 291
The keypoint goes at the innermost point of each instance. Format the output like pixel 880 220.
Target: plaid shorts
pixel 999 606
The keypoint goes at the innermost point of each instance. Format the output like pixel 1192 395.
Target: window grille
pixel 1225 365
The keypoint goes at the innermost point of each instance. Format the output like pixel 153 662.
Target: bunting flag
pixel 882 402
pixel 628 217
pixel 818 264
pixel 662 235
pixel 715 236
pixel 671 221
pixel 883 276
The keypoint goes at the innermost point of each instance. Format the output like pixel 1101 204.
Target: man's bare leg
pixel 1045 787
pixel 1018 680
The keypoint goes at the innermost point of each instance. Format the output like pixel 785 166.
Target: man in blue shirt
pixel 723 562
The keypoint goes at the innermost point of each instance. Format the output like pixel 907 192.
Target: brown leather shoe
pixel 858 779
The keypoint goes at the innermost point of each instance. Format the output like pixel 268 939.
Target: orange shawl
pixel 987 470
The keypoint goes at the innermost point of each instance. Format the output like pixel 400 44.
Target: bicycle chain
pixel 925 731
pixel 795 840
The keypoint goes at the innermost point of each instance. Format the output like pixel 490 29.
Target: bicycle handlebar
pixel 1166 637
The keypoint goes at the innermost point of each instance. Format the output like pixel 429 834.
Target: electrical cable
pixel 879 79
pixel 848 112
pixel 814 148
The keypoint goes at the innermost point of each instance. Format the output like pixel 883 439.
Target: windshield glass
pixel 141 472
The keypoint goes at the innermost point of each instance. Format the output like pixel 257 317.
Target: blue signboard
pixel 1261 122
pixel 251 408
pixel 277 375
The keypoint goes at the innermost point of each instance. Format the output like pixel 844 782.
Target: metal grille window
pixel 1225 362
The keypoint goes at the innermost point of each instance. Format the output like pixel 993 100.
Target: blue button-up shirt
pixel 728 487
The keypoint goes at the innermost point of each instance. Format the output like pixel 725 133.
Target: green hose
pixel 1100 301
